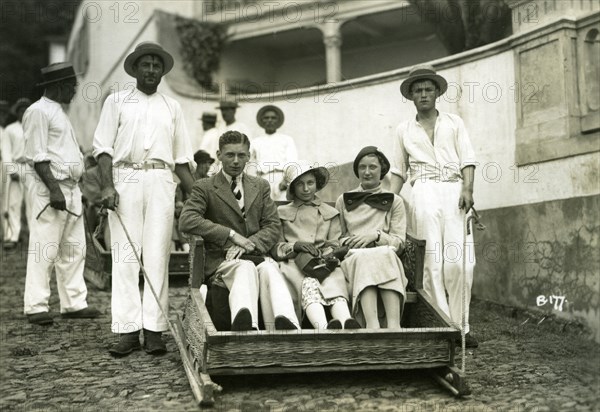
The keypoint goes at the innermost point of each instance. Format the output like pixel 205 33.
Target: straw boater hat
pixel 372 150
pixel 267 108
pixel 22 102
pixel 227 104
pixel 144 49
pixel 297 169
pixel 57 72
pixel 209 117
pixel 423 72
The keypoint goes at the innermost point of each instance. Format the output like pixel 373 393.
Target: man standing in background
pixel 273 151
pixel 56 234
pixel 13 148
pixel 228 109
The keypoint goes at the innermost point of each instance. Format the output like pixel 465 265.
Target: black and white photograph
pixel 300 205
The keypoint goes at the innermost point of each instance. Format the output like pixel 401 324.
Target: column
pixel 333 55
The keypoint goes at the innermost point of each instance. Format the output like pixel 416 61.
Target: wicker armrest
pixel 196 261
pixel 412 258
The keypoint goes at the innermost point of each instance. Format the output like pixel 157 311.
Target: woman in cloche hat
pixel 374 227
pixel 310 227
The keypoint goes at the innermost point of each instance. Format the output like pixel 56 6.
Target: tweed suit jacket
pixel 212 211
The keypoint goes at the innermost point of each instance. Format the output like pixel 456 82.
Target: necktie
pixel 237 193
pixel 381 201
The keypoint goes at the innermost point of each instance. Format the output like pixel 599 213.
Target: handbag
pixel 319 267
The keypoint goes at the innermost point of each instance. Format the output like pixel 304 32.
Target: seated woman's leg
pixel 316 315
pixel 340 310
pixel 392 302
pixel 368 304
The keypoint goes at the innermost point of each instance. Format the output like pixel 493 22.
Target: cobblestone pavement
pixel 524 363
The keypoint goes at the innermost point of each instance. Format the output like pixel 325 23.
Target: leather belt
pixel 144 165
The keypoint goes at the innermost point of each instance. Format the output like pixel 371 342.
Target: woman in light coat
pixel 374 227
pixel 311 226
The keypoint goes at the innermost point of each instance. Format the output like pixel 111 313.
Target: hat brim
pixel 261 112
pixel 60 79
pixel 320 170
pixel 436 78
pixel 229 106
pixel 131 59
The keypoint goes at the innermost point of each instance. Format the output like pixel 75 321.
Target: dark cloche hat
pixel 372 150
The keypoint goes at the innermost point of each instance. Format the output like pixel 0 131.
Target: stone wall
pixel 544 256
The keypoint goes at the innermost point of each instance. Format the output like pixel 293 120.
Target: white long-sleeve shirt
pixel 135 127
pixel 14 143
pixel 49 136
pixel 273 152
pixel 443 160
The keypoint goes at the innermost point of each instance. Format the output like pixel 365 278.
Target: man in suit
pixel 236 216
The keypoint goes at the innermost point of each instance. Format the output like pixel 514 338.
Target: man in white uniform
pixel 435 146
pixel 13 147
pixel 56 234
pixel 140 140
pixel 228 109
pixel 210 140
pixel 4 108
pixel 272 152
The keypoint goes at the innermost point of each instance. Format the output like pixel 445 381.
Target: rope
pixel 48 205
pixel 146 278
pixel 474 217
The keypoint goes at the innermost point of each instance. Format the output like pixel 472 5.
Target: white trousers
pixel 14 203
pixel 435 217
pixel 249 284
pixel 146 207
pixel 241 279
pixel 56 241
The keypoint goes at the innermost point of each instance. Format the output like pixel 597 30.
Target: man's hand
pixel 283 185
pixel 466 200
pixel 361 241
pixel 57 199
pixel 306 247
pixel 234 252
pixel 246 244
pixel 110 198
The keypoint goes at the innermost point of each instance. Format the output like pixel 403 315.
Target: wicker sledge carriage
pixel 426 340
pixel 98 259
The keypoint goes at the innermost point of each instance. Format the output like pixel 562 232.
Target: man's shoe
pixel 283 323
pixel 41 318
pixel 351 324
pixel 87 313
pixel 153 343
pixel 334 324
pixel 470 341
pixel 242 321
pixel 128 342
